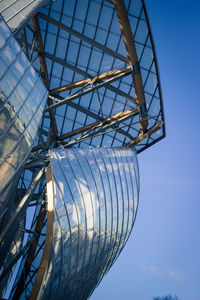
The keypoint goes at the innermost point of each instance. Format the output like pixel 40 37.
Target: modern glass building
pixel 80 98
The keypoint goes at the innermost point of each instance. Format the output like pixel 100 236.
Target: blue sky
pixel 162 254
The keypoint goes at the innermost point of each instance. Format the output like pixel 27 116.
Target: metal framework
pixel 104 90
pixel 93 84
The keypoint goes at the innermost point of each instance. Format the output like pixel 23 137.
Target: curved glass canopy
pixel 101 71
pixel 97 61
pixel 95 197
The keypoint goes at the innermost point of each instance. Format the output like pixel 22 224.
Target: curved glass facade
pixel 14 244
pixel 61 233
pixel 95 202
pixel 16 13
pixel 22 100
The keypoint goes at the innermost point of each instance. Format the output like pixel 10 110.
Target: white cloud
pixel 172 274
pixel 175 275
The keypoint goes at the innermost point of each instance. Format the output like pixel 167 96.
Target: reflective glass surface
pixel 22 99
pixel 95 202
pixel 15 13
pixel 95 189
pixel 13 242
pixel 80 44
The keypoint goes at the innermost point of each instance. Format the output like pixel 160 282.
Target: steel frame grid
pixel 93 47
pixel 86 74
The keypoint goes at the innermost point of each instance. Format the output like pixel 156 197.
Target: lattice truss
pixel 101 72
pixel 98 62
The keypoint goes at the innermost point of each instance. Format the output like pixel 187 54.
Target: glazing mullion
pixel 21 107
pixel 127 231
pixel 83 160
pixel 25 157
pixel 117 176
pixel 14 60
pixel 98 210
pixel 82 208
pixel 91 51
pixel 61 255
pixel 133 171
pixel 22 134
pixel 68 267
pixel 18 82
pixel 114 137
pixel 106 164
pixel 126 201
pixel 111 67
pixel 86 67
pixel 125 154
pixel 57 36
pixel 75 204
pixel 100 260
pixel 117 208
pixel 66 53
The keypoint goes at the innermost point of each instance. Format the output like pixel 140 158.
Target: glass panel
pixel 18 101
pixel 95 210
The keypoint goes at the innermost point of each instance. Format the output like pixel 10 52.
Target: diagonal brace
pixel 87 91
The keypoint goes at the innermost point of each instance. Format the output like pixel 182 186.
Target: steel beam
pixel 66 65
pixel 31 253
pixel 103 126
pixel 24 42
pixel 87 75
pixel 87 81
pixel 40 51
pixel 84 74
pixel 117 118
pixel 85 92
pixel 122 116
pixel 132 59
pixel 44 70
pixel 83 37
pixel 97 117
pixel 41 139
pixel 15 259
pixel 32 46
pixel 147 134
pixel 23 203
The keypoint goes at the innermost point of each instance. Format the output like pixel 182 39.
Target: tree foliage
pixel 168 297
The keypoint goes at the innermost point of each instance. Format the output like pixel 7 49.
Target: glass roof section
pixel 16 12
pixel 97 60
pixel 95 96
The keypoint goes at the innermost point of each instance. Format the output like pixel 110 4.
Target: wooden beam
pixel 145 135
pixel 86 91
pixel 48 240
pixel 44 70
pixel 83 37
pixel 133 59
pixel 86 81
pixel 91 126
pixel 87 75
pixel 98 123
pixel 40 50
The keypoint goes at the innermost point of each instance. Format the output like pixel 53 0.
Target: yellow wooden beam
pixel 132 58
